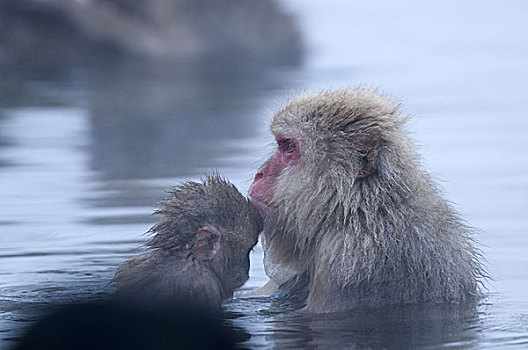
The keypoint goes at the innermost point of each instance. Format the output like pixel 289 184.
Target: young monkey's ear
pixel 207 243
pixel 368 159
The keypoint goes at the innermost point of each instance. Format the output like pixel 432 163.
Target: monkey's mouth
pixel 261 206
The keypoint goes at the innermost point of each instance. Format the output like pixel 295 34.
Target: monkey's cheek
pixel 260 205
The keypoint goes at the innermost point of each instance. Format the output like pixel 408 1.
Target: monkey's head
pixel 212 224
pixel 328 145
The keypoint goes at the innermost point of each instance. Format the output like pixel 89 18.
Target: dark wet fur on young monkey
pixel 347 203
pixel 199 251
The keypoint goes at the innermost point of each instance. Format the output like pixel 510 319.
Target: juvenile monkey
pixel 199 251
pixel 352 220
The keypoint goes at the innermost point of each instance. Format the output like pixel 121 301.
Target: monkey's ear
pixel 207 243
pixel 368 160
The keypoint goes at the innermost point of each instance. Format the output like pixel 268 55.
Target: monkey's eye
pixel 287 145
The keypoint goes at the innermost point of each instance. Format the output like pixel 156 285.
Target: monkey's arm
pixel 326 296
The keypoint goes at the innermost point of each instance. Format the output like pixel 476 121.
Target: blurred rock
pixel 226 32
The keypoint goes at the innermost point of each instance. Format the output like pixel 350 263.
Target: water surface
pixel 87 152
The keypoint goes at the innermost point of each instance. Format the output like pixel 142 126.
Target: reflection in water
pixel 392 327
pixel 156 122
pixel 152 123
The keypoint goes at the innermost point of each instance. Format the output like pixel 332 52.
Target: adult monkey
pixel 351 218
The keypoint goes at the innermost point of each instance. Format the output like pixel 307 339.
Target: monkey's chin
pixel 260 205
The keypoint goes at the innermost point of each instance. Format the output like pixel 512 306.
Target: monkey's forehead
pixel 212 190
pixel 333 109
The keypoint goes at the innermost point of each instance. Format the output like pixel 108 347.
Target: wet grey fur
pixel 168 272
pixel 359 214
